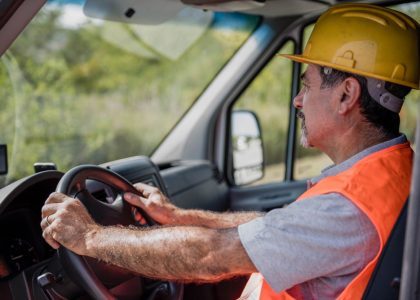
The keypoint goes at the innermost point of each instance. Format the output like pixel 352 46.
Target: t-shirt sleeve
pixel 322 236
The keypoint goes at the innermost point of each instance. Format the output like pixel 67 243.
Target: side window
pixel 409 111
pixel 268 97
pixel 310 162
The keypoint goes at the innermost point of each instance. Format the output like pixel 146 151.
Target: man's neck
pixel 353 141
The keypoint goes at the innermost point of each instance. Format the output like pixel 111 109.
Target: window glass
pixel 409 111
pixel 310 162
pixel 269 97
pixel 79 90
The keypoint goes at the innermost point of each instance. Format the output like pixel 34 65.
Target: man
pixel 326 244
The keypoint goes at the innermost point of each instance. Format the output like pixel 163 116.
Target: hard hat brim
pixel 303 59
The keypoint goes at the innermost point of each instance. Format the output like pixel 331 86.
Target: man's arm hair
pixel 216 220
pixel 183 253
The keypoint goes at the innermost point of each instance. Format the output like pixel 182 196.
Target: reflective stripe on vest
pixel 378 185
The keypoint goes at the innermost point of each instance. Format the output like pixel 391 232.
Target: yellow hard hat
pixel 366 40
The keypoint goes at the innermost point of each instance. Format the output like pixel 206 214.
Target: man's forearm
pixel 172 253
pixel 215 220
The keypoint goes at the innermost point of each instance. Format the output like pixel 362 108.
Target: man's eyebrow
pixel 303 76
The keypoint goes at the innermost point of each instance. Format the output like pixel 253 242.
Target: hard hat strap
pixel 379 93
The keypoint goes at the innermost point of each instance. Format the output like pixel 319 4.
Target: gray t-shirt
pixel 309 247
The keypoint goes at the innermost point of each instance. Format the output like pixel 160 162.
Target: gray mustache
pixel 300 115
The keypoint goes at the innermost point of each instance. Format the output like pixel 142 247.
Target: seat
pixel 385 281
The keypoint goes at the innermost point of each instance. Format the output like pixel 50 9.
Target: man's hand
pixel 155 204
pixel 65 221
pixel 159 208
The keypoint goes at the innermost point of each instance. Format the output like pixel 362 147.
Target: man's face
pixel 316 109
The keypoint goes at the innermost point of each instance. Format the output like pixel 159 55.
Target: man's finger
pixel 135 200
pixel 49 209
pixel 44 223
pixel 47 234
pixel 145 189
pixel 56 198
pixel 47 221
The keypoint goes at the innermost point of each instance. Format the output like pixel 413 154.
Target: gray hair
pixel 387 121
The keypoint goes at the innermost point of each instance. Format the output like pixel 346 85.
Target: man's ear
pixel 350 94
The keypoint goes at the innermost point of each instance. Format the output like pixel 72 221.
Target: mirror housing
pixel 247 147
pixel 3 159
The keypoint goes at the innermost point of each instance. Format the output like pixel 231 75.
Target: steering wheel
pixel 95 277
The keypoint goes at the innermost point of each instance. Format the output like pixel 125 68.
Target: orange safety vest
pixel 379 185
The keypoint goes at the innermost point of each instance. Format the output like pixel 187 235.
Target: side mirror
pixel 247 147
pixel 3 159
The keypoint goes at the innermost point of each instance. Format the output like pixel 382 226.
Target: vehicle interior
pixel 189 96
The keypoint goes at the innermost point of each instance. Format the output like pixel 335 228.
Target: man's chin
pixel 304 142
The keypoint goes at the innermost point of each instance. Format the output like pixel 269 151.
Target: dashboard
pixel 21 242
pixel 20 245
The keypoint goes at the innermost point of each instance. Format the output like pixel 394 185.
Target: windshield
pixel 77 90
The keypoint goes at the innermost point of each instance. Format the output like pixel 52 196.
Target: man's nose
pixel 297 101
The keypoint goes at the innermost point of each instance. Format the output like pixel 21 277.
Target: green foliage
pixel 78 95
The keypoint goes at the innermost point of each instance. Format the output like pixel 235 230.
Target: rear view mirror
pixel 247 147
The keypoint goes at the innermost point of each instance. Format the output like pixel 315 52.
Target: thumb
pixel 135 200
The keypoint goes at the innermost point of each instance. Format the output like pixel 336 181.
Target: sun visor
pixel 159 11
pixel 269 8
pixel 226 5
pixel 133 11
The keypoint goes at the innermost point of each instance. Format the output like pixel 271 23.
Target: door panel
pixel 195 184
pixel 266 197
